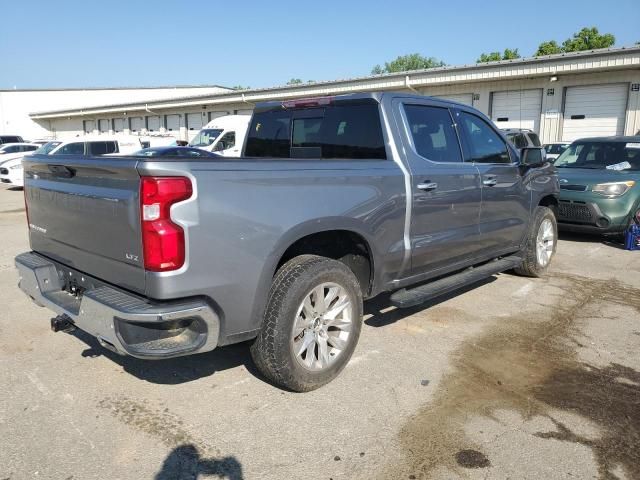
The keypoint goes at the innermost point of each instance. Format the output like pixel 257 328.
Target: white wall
pixel 552 105
pixel 15 106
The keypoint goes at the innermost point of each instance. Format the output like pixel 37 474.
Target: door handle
pixel 427 186
pixel 490 181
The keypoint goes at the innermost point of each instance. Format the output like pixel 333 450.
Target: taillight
pixel 162 240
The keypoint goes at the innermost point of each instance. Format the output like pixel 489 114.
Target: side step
pixel 410 298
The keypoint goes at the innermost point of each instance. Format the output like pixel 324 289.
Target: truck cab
pixel 223 135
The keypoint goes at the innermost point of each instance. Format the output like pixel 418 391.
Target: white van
pixel 223 135
pixel 11 172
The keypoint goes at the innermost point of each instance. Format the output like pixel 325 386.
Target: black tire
pixel 272 350
pixel 531 266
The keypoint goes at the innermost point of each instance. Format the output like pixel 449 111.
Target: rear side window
pixel 518 139
pixel 269 135
pixel 102 148
pixel 535 140
pixel 334 132
pixel 10 139
pixel 76 148
pixel 483 145
pixel 434 136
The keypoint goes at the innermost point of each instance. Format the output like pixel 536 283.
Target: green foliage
pixel 240 87
pixel 294 81
pixel 548 48
pixel 509 54
pixel 585 39
pixel 588 39
pixel 404 63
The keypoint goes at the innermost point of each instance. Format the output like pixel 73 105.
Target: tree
pixel 294 81
pixel 585 39
pixel 404 63
pixel 240 87
pixel 509 54
pixel 588 39
pixel 548 48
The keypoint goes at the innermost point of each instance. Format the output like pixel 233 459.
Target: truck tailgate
pixel 84 212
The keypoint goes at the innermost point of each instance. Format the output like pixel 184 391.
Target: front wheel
pixel 312 323
pixel 542 241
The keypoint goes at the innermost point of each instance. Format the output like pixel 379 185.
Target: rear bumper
pixel 123 322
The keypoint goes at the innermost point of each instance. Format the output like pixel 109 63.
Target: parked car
pixel 174 152
pixel 555 149
pixel 11 139
pixel 9 151
pixel 335 200
pixel 522 137
pixel 599 184
pixel 223 135
pixel 12 171
pixel 11 161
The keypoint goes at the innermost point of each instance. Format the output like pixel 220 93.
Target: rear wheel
pixel 542 242
pixel 312 323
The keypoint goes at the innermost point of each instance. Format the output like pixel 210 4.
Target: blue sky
pixel 259 44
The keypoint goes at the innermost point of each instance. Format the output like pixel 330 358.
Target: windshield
pixel 555 148
pixel 205 137
pixel 601 155
pixel 47 147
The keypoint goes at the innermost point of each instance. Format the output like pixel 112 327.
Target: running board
pixel 410 298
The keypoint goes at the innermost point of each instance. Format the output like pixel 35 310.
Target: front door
pixel 446 191
pixel 505 198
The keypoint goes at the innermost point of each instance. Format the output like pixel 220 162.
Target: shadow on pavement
pixel 383 314
pixel 178 370
pixel 184 462
pixel 613 241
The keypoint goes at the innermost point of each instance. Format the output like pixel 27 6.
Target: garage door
pixel 194 121
pixel 103 125
pixel 466 98
pixel 593 111
pixel 137 124
pixel 89 126
pixel 517 109
pixel 173 123
pixel 153 123
pixel 213 115
pixel 118 125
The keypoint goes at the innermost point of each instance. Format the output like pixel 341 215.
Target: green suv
pixel 599 184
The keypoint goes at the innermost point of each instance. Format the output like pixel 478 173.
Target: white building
pixel 16 105
pixel 562 97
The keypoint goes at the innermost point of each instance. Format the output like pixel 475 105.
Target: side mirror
pixel 219 147
pixel 533 157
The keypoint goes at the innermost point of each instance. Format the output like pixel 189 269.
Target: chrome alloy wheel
pixel 545 242
pixel 322 328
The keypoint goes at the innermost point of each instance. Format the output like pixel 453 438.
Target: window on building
pixel 433 133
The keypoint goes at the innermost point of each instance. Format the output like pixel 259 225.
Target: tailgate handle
pixel 62 171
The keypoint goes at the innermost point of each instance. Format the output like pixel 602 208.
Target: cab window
pixel 75 148
pixel 483 144
pixel 433 133
pixel 227 141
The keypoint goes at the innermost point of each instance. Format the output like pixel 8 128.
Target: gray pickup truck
pixel 335 200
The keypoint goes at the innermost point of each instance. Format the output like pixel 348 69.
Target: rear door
pixel 84 212
pixel 446 191
pixel 505 199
